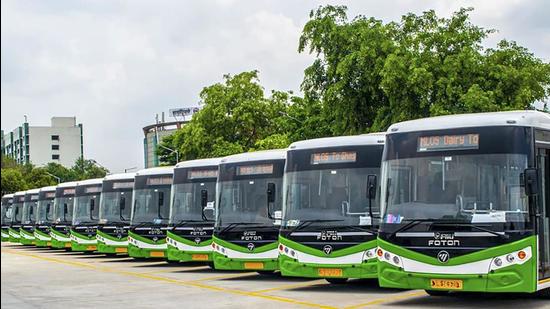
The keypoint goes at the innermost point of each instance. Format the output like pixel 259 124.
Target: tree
pixel 88 169
pixel 368 74
pixel 38 178
pixel 12 181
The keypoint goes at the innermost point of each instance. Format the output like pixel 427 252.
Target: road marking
pixel 166 271
pixel 228 276
pixel 173 281
pixel 291 286
pixel 387 299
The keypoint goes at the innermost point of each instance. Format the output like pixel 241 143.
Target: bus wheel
pixel 437 293
pixel 545 294
pixel 266 272
pixel 171 262
pixel 211 265
pixel 337 280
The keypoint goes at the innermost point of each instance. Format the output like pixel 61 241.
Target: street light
pixel 129 169
pixel 57 178
pixel 97 163
pixel 172 151
pixel 288 116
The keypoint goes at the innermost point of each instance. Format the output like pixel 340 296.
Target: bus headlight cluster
pixel 388 257
pixel 287 251
pixel 369 254
pixel 513 258
pixel 218 248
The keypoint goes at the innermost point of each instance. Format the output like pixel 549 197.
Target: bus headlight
pixel 513 258
pixel 389 257
pixel 498 262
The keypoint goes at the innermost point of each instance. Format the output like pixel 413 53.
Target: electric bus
pixel 60 230
pixel 16 214
pixel 44 216
pixel 330 222
pixel 85 215
pixel 114 213
pixel 28 217
pixel 191 211
pixel 7 201
pixel 150 212
pixel 466 204
pixel 248 211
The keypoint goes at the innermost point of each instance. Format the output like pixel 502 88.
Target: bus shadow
pixel 352 286
pixel 478 300
pixel 276 277
pixel 208 270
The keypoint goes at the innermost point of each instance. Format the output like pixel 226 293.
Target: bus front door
pixel 543 162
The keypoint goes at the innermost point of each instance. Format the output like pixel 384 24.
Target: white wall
pixel 40 145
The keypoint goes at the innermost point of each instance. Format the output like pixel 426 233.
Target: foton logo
pixel 329 236
pixel 444 240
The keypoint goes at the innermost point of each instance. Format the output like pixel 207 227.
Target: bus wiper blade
pixel 363 229
pixel 183 222
pixel 479 228
pixel 410 225
pixel 305 223
pixel 235 224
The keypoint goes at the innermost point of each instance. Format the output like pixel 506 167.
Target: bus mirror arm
pixel 204 204
pixel 47 212
pixel 531 181
pixel 270 198
pixel 372 181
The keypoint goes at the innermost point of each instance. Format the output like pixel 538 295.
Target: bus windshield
pixel 474 188
pixel 60 204
pixel 151 205
pixel 245 201
pixel 44 212
pixel 335 195
pixel 6 213
pixel 29 212
pixel 115 206
pixel 186 203
pixel 86 209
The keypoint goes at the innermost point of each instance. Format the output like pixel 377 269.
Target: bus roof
pixel 199 163
pixel 87 182
pixel 8 195
pixel 120 176
pixel 511 118
pixel 49 188
pixel 353 140
pixel 67 184
pixel 163 170
pixel 275 154
pixel 32 191
pixel 19 193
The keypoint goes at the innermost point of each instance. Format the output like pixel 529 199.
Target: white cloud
pixel 114 64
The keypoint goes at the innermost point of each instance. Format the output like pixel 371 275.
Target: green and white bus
pixel 330 224
pixel 114 213
pixel 16 214
pixel 28 218
pixel 85 215
pixel 191 211
pixel 466 204
pixel 248 211
pixel 44 216
pixel 7 201
pixel 60 230
pixel 150 213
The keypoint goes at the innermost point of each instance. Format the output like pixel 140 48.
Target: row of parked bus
pixel 451 203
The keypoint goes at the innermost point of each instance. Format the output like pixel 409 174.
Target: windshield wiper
pixel 183 222
pixel 410 225
pixel 305 223
pixel 479 228
pixel 235 224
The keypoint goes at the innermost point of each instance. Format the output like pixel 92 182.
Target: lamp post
pixel 52 175
pixel 129 169
pixel 172 151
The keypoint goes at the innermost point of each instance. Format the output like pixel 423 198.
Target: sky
pixel 116 64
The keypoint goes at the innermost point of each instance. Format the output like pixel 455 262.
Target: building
pixel 153 136
pixel 62 142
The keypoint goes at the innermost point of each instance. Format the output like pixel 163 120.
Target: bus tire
pixel 336 280
pixel 266 272
pixel 171 262
pixel 437 293
pixel 544 294
pixel 211 265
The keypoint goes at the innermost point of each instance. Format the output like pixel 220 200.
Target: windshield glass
pixel 29 212
pixel 86 209
pixel 246 201
pixel 186 203
pixel 151 205
pixel 471 188
pixel 6 213
pixel 17 211
pixel 44 213
pixel 59 214
pixel 115 206
pixel 329 194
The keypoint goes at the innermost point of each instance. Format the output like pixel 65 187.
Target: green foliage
pixel 23 177
pixel 12 181
pixel 368 74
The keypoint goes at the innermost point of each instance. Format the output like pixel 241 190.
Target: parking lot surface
pixel 45 278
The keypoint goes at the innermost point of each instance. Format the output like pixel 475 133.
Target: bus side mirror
pixel 271 192
pixel 161 198
pixel 47 209
pixel 204 198
pixel 65 208
pixel 122 203
pixel 31 212
pixel 371 186
pixel 531 181
pixel 92 205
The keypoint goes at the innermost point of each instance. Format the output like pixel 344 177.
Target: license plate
pixel 446 284
pixel 91 248
pixel 157 254
pixel 330 272
pixel 199 257
pixel 67 245
pixel 121 250
pixel 253 265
